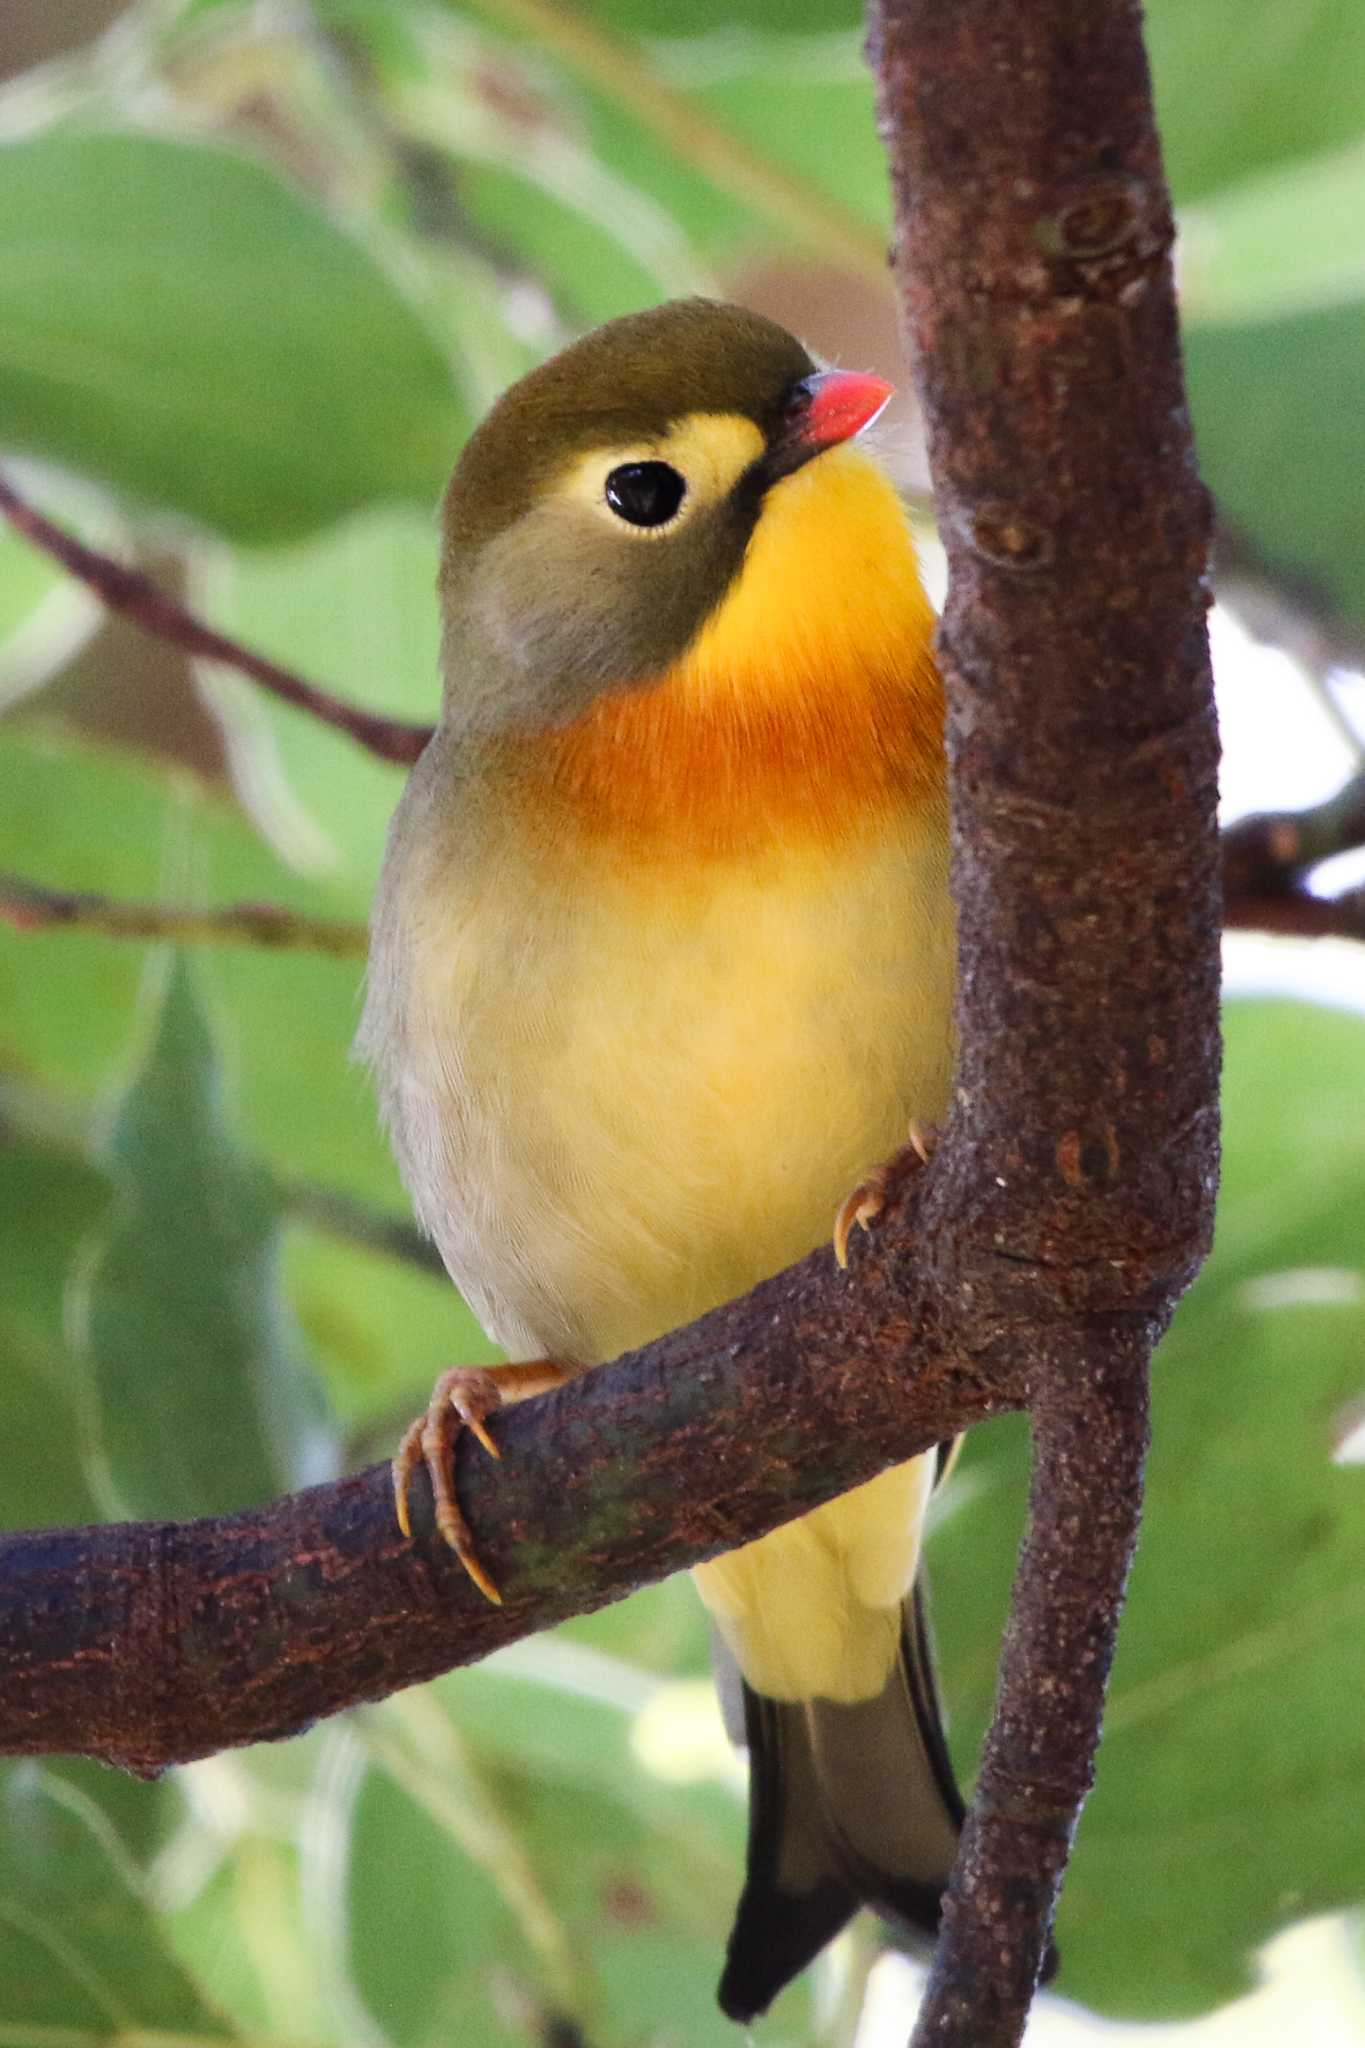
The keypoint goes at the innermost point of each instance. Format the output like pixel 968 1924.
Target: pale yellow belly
pixel 641 1098
pixel 621 1098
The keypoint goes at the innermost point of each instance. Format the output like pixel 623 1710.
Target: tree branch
pixel 1034 238
pixel 131 592
pixel 1297 914
pixel 30 907
pixel 1268 858
pixel 148 1644
pixel 1089 1444
pixel 1273 851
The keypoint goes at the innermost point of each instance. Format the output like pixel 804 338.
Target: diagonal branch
pixel 131 592
pixel 148 1644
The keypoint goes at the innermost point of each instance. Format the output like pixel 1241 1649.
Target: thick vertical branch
pixel 1073 1197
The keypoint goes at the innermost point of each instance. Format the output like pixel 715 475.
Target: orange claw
pixel 863 1206
pixel 463 1398
pixel 867 1200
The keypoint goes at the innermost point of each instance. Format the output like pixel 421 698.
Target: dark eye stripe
pixel 645 493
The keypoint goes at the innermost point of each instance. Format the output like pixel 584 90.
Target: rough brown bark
pixel 1075 1190
pixel 148 1644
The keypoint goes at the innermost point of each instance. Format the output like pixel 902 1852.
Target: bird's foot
pixel 464 1398
pixel 867 1200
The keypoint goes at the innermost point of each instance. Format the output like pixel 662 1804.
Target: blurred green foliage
pixel 260 273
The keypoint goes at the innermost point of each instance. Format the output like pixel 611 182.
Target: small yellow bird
pixel 662 959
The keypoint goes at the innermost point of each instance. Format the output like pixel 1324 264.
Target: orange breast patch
pixel 806 708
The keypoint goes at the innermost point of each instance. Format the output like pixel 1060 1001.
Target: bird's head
pixel 600 516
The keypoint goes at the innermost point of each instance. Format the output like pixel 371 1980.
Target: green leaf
pixel 235 1904
pixel 356 609
pixel 81 817
pixel 555 1872
pixel 203 1400
pixel 84 817
pixel 1226 1798
pixel 82 1946
pixel 49 1203
pixel 1282 439
pixel 1287 241
pixel 1245 84
pixel 54 1199
pixel 385 1329
pixel 28 581
pixel 180 321
pixel 824 129
pixel 419 1935
pixel 702 18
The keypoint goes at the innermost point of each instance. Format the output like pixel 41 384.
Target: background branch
pixel 1268 859
pixel 1273 851
pixel 135 595
pixel 345 1216
pixel 30 907
pixel 796 206
pixel 1296 914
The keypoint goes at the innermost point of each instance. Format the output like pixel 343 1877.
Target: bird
pixel 662 963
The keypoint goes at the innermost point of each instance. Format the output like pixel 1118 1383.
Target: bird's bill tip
pixel 837 404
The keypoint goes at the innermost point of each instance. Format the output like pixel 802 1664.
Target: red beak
pixel 842 403
pixel 824 409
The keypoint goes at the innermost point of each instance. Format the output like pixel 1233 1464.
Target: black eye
pixel 645 493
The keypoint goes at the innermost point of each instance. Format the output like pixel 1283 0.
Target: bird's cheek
pixel 554 607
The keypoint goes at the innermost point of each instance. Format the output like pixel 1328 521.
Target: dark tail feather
pixel 795 1897
pixel 848 1806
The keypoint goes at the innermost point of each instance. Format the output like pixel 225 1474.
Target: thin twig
pixel 135 595
pixel 1089 1443
pixel 345 1216
pixel 29 907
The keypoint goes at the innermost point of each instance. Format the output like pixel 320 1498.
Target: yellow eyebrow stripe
pixel 710 450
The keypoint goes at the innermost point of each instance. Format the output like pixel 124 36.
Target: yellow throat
pixel 807 707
